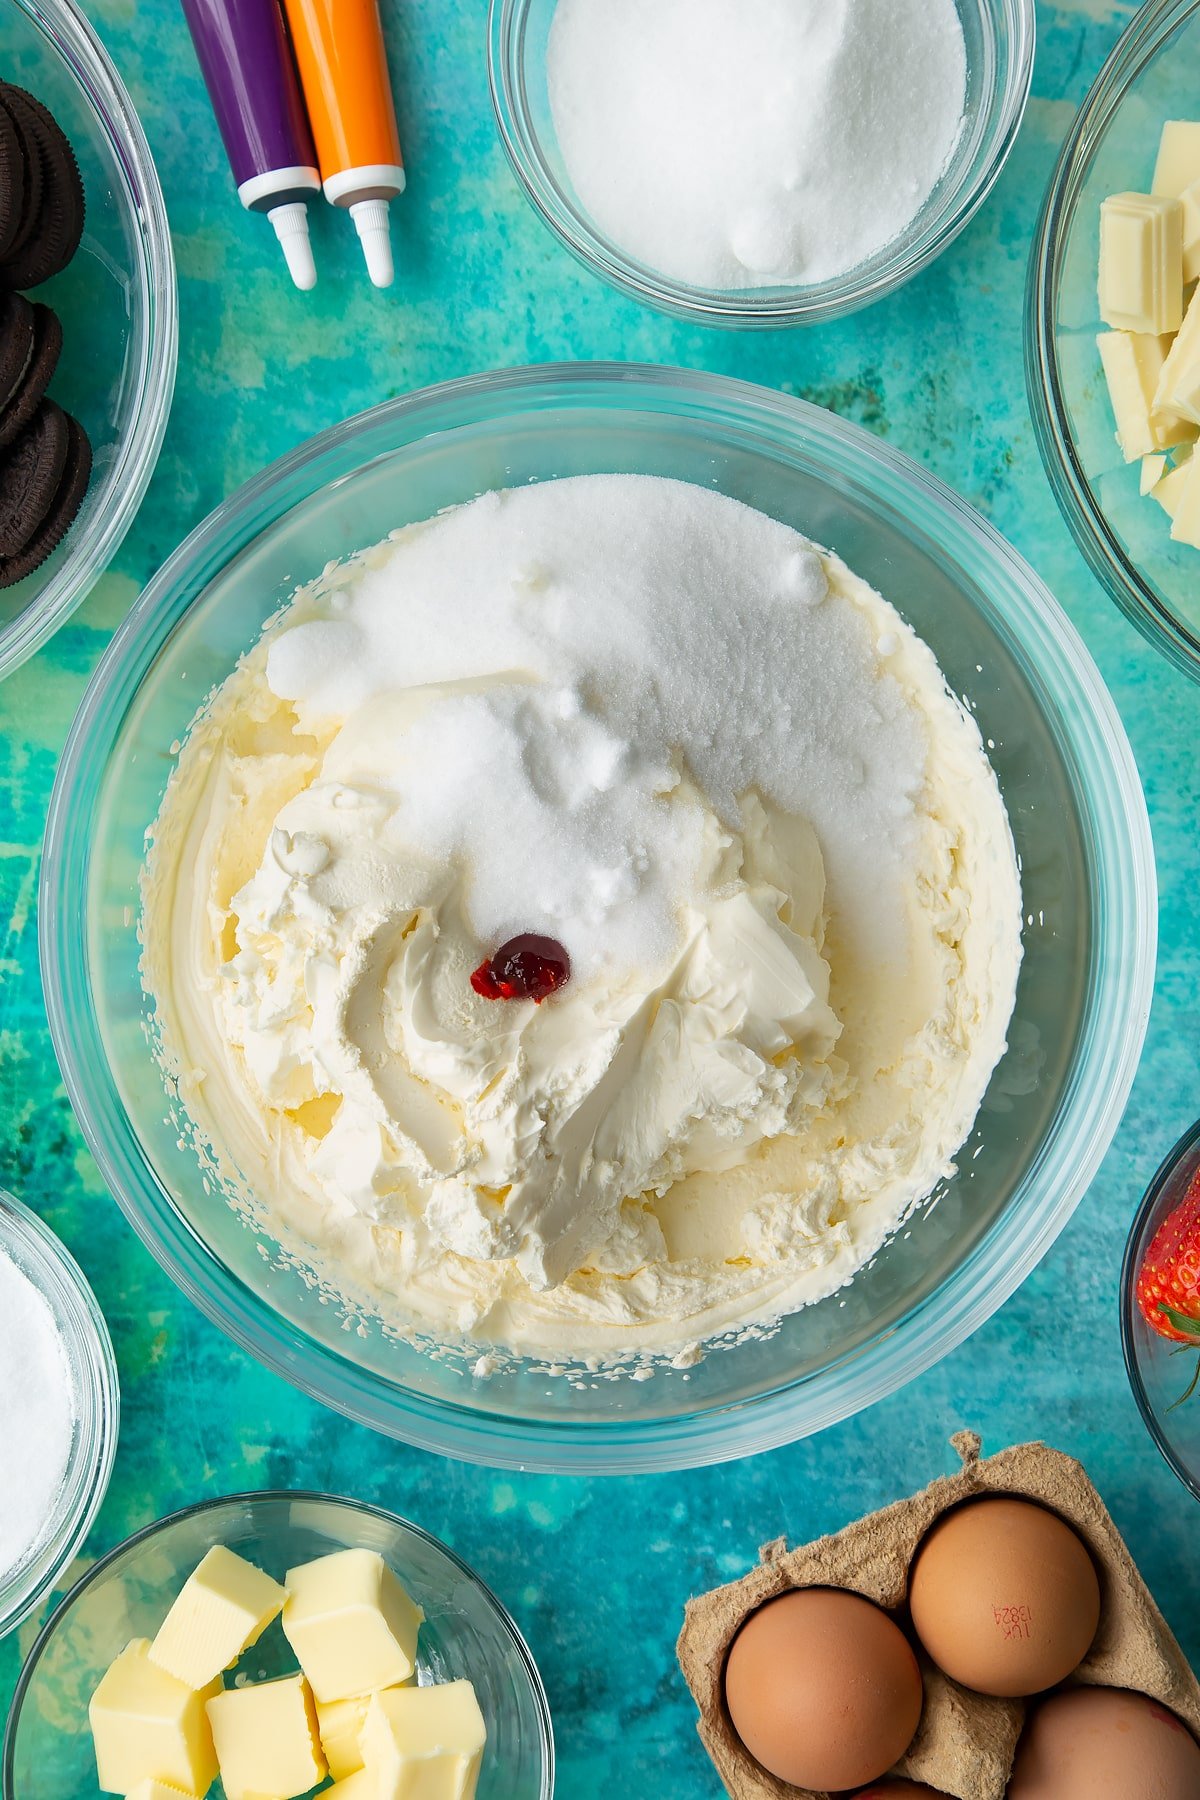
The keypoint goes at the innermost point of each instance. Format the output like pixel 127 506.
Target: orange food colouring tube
pixel 343 70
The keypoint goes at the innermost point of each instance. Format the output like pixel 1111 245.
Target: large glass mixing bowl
pixel 1063 763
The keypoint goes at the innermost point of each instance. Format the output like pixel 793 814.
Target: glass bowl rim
pixel 767 308
pixel 77 1314
pixel 1122 986
pixel 308 1497
pixel 1138 44
pixel 1186 1146
pixel 84 56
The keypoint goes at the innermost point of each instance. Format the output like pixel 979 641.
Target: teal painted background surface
pixel 596 1572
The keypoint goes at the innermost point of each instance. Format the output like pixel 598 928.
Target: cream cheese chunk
pixel 147 1726
pixel 351 1624
pixel 266 1739
pixel 222 1609
pixel 728 778
pixel 425 1740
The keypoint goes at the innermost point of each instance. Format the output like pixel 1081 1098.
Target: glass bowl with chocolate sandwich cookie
pixel 88 330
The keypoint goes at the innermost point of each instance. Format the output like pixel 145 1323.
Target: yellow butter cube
pixel 1178 389
pixel 149 1727
pixel 266 1739
pixel 1185 521
pixel 351 1624
pixel 154 1790
pixel 425 1743
pixel 1141 263
pixel 1133 366
pixel 340 1723
pixel 359 1786
pixel 223 1608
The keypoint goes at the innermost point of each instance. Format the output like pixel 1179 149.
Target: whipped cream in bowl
pixel 668 734
pixel 620 947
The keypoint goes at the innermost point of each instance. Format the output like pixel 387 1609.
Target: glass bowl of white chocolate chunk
pixel 275 1642
pixel 1113 328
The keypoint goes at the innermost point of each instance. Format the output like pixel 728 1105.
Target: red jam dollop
pixel 526 968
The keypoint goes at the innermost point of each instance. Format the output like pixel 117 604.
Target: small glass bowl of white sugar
pixel 59 1410
pixel 775 163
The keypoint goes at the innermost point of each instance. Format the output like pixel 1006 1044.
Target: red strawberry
pixel 1168 1284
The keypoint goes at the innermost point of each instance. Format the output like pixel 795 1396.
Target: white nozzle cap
pixel 374 228
pixel 291 228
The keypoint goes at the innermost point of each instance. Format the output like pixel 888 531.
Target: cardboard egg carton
pixel 966 1742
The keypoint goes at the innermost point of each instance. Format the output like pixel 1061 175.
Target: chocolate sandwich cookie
pixel 30 472
pixel 26 125
pixel 54 234
pixel 68 498
pixel 17 339
pixel 40 366
pixel 12 182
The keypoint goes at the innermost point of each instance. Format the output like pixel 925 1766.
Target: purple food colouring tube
pixel 247 66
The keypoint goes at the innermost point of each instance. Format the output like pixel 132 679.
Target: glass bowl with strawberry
pixel 1160 1309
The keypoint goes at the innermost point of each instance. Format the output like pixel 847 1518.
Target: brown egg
pixel 1004 1597
pixel 823 1689
pixel 1092 1742
pixel 900 1790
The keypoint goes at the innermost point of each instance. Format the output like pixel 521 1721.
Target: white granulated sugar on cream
pixel 666 635
pixel 37 1414
pixel 748 143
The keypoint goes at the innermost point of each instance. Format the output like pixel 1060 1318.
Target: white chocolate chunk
pixel 1178 164
pixel 147 1726
pixel 425 1743
pixel 1178 390
pixel 1133 366
pixel 1169 491
pixel 1141 263
pixel 266 1740
pixel 1153 470
pixel 154 1790
pixel 223 1608
pixel 351 1624
pixel 1185 524
pixel 1190 201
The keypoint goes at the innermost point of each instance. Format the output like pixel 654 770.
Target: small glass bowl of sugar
pixel 763 164
pixel 59 1410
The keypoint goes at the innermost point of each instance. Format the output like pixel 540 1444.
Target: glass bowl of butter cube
pixel 277 1645
pixel 1113 328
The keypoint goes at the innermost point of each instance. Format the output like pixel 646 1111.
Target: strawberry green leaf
pixel 1181 1321
pixel 1190 1390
